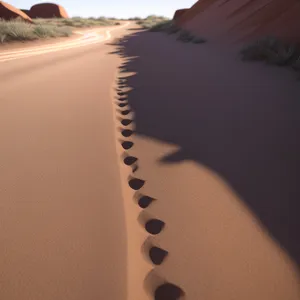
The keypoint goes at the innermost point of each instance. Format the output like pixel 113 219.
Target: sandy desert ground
pixel 215 147
pixel 146 169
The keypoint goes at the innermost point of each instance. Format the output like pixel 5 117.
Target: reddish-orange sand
pixel 216 142
pixel 64 233
pixel 214 148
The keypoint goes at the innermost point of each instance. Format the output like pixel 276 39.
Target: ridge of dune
pixel 236 20
pixel 137 265
pixel 144 255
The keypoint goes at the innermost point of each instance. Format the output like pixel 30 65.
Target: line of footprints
pixel 166 291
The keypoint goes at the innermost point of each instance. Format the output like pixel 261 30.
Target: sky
pixel 113 8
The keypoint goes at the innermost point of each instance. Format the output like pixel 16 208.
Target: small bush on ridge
pixel 271 50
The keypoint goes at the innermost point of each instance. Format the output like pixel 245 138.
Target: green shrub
pixel 43 28
pixel 271 50
pixel 296 64
pixel 45 31
pixel 16 30
pixel 19 30
pixel 173 29
pixel 68 22
pixel 185 36
pixel 151 21
pixel 199 40
pixel 161 26
pixel 77 22
pixel 135 19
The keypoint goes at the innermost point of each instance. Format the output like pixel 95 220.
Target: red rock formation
pixel 26 11
pixel 9 12
pixel 244 19
pixel 48 10
pixel 179 13
pixel 196 9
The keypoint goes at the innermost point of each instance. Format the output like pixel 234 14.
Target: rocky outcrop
pixel 199 7
pixel 26 11
pixel 9 12
pixel 244 20
pixel 47 11
pixel 179 13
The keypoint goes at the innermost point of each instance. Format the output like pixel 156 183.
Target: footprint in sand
pixel 127 132
pixel 168 291
pixel 127 145
pixel 157 255
pixel 145 201
pixel 154 226
pixel 126 122
pixel 130 160
pixel 136 183
pixel 122 104
pixel 125 112
pixel 122 98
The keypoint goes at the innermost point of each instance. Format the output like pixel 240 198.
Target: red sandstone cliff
pixel 243 19
pixel 179 13
pixel 9 12
pixel 48 10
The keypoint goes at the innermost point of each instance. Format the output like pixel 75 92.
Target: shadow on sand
pixel 247 132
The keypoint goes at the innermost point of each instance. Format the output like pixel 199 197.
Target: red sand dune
pixel 48 10
pixel 244 19
pixel 8 12
pixel 179 13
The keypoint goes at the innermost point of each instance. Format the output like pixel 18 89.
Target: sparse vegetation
pixel 185 36
pixel 152 21
pixel 78 22
pixel 161 24
pixel 173 28
pixel 135 19
pixel 273 51
pixel 18 30
pixel 199 40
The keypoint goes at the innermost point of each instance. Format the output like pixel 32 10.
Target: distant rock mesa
pixel 9 12
pixel 47 11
